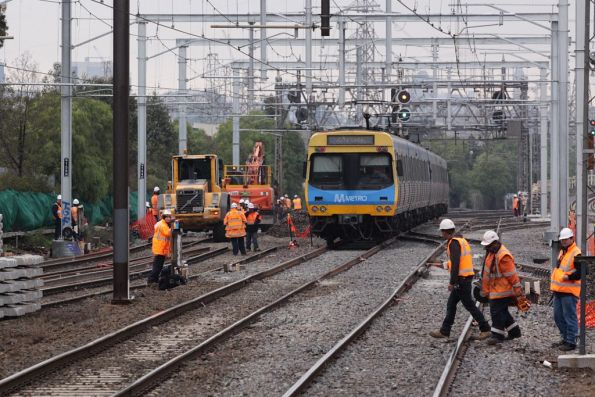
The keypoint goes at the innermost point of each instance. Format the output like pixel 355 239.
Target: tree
pixel 3 27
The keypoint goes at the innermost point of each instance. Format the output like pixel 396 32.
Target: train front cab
pixel 351 190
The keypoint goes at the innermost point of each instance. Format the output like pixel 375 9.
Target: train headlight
pixel 387 208
pixel 379 208
pixel 323 209
pixel 314 208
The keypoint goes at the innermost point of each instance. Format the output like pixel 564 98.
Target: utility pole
pixel 66 115
pixel 563 110
pixel 120 150
pixel 142 118
pixel 235 138
pixel 555 149
pixel 543 133
pixel 182 133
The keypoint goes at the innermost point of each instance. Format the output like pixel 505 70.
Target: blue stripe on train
pixel 350 197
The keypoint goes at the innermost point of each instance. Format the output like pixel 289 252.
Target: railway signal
pixel 398 99
pixel 592 127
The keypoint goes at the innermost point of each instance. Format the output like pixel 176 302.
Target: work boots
pixel 482 335
pixel 438 334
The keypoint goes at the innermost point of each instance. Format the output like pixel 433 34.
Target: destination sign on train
pixel 350 140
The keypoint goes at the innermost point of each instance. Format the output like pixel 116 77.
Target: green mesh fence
pixel 25 211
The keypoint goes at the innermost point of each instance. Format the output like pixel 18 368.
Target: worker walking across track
pixel 235 229
pixel 460 265
pixel 501 284
pixel 565 284
pixel 162 245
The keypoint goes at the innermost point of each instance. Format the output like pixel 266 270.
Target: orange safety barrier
pixel 589 314
pixel 294 230
pixel 145 227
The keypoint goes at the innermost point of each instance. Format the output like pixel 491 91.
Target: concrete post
pixel 66 115
pixel 182 133
pixel 142 119
pixel 543 132
pixel 235 139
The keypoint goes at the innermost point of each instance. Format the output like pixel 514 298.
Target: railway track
pixel 90 382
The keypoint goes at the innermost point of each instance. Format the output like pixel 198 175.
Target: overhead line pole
pixel 121 47
pixel 563 110
pixel 66 115
pixel 182 133
pixel 142 119
pixel 555 148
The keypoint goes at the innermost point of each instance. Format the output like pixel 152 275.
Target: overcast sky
pixel 35 24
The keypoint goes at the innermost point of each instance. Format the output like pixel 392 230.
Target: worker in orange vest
pixel 297 203
pixel 74 218
pixel 501 284
pixel 154 200
pixel 162 242
pixel 235 229
pixel 57 214
pixel 515 206
pixel 565 284
pixel 460 265
pixel 253 220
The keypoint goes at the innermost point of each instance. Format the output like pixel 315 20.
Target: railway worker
pixel 235 228
pixel 565 284
pixel 148 209
pixel 74 213
pixel 57 214
pixel 253 220
pixel 460 265
pixel 161 245
pixel 154 200
pixel 297 203
pixel 287 203
pixel 500 283
pixel 515 206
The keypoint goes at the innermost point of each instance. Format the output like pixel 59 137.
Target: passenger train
pixel 368 185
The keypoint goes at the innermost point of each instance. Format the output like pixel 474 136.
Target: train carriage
pixel 367 185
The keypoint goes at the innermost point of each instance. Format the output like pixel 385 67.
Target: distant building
pixel 90 69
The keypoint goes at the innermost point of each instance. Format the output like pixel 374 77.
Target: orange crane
pixel 253 182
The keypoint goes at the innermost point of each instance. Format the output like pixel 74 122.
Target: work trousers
pixel 252 239
pixel 158 262
pixel 565 316
pixel 502 320
pixel 237 244
pixel 57 228
pixel 462 293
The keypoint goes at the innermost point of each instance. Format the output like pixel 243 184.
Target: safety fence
pixel 24 211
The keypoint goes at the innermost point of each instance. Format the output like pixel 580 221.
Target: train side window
pixel 399 167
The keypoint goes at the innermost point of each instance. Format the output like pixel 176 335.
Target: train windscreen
pixel 351 171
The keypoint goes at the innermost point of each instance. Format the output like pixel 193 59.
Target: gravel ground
pixel 36 337
pixel 141 353
pixel 267 357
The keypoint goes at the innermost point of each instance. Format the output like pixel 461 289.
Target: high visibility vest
pixel 74 211
pixel 566 267
pixel 251 217
pixel 287 202
pixel 59 212
pixel 515 203
pixel 297 203
pixel 495 280
pixel 466 260
pixel 162 239
pixel 154 209
pixel 235 224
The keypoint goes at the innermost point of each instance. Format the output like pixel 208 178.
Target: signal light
pixel 590 156
pixel 404 96
pixel 325 18
pixel 592 127
pixel 404 115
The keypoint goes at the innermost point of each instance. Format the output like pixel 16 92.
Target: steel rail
pixel 454 360
pixel 32 373
pixel 307 378
pixel 150 379
pixel 208 255
pixel 140 270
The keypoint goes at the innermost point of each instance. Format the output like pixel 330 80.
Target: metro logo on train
pixel 343 198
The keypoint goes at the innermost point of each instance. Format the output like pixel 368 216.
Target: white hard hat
pixel 241 200
pixel 155 189
pixel 295 196
pixel 250 205
pixel 234 205
pixel 147 204
pixel 75 202
pixel 565 233
pixel 59 197
pixel 286 196
pixel 489 237
pixel 514 195
pixel 166 212
pixel 446 224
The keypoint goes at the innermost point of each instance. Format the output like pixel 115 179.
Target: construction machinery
pixel 253 182
pixel 195 196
